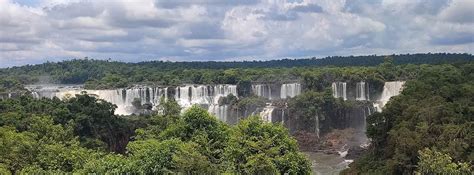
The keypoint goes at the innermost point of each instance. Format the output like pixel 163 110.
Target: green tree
pixel 433 111
pixel 256 147
pixel 198 126
pixel 434 162
pixel 17 150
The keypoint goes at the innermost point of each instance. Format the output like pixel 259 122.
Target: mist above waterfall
pixel 390 89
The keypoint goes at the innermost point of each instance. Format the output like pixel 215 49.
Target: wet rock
pixel 355 152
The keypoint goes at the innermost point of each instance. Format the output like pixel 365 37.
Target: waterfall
pixel 157 93
pixel 283 116
pixel 362 91
pixel 290 90
pixel 35 94
pixel 220 91
pixel 262 90
pixel 390 89
pixel 286 90
pixel 186 96
pixel 317 125
pixel 219 111
pixel 266 113
pixel 124 106
pixel 339 90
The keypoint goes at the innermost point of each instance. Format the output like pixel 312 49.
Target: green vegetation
pixel 103 74
pixel 433 162
pixel 434 112
pixel 82 135
pixel 7 85
pixel 428 129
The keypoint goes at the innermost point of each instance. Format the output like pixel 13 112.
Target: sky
pixel 36 31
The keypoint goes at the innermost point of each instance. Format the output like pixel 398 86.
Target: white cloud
pixel 460 11
pixel 134 30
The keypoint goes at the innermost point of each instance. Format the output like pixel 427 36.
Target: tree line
pixel 99 74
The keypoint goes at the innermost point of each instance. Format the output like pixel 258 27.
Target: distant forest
pixel 101 74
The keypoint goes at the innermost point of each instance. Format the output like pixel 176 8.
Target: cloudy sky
pixel 35 31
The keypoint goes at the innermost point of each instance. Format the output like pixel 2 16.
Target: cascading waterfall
pixel 290 90
pixel 124 106
pixel 266 113
pixel 283 116
pixel 219 91
pixel 186 96
pixel 35 94
pixel 286 90
pixel 339 90
pixel 219 111
pixel 262 90
pixel 390 89
pixel 362 91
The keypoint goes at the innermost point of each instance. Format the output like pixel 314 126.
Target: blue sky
pixel 36 31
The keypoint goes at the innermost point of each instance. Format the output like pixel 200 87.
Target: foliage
pixel 80 134
pixel 9 84
pixel 263 148
pixel 434 162
pixel 98 74
pixel 433 111
pixel 50 136
pixel 168 114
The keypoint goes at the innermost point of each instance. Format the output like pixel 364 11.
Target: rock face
pixel 307 141
pixel 349 141
pixel 346 142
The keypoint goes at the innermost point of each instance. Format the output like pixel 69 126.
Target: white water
pixel 290 90
pixel 262 90
pixel 317 125
pixel 327 164
pixel 390 89
pixel 339 90
pixel 266 113
pixel 283 116
pixel 362 91
pixel 219 111
pixel 343 153
pixel 186 96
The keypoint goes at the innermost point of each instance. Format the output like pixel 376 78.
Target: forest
pixel 99 74
pixel 82 135
pixel 427 129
